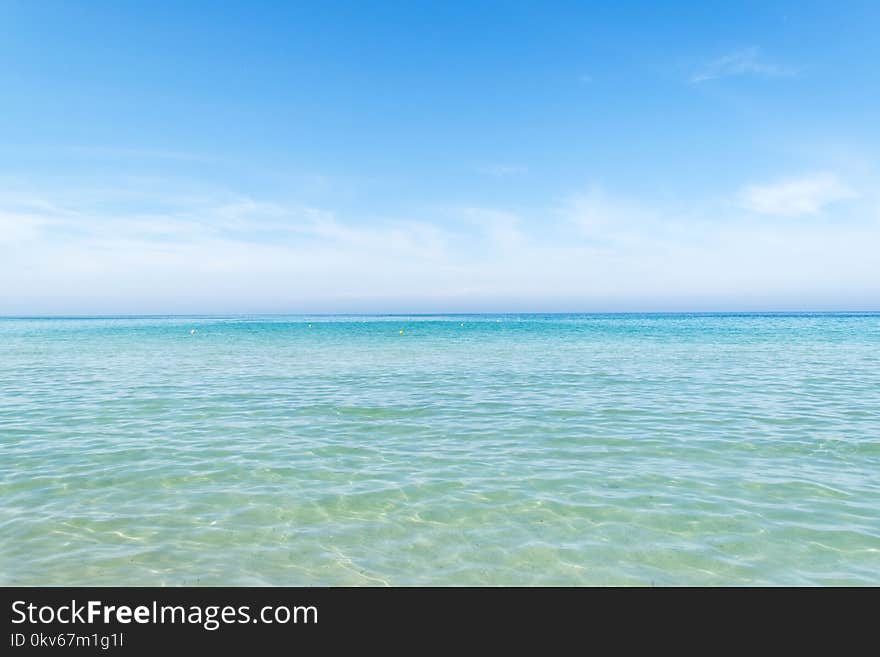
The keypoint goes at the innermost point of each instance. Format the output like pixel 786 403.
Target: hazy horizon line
pixel 438 314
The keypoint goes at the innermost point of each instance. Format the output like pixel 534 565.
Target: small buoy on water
pixel 401 331
pixel 310 326
pixel 192 332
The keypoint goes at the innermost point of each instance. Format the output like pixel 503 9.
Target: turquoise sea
pixel 506 449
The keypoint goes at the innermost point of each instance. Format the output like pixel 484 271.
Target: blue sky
pixel 189 157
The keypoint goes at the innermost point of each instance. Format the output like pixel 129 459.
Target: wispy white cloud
pixel 592 250
pixel 746 61
pixel 806 195
pixel 602 218
pixel 502 170
pixel 142 153
pixel 501 229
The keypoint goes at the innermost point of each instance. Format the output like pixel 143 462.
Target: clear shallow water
pixel 571 449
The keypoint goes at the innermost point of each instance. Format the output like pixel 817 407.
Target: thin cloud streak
pixel 795 197
pixel 590 251
pixel 746 61
pixel 502 170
